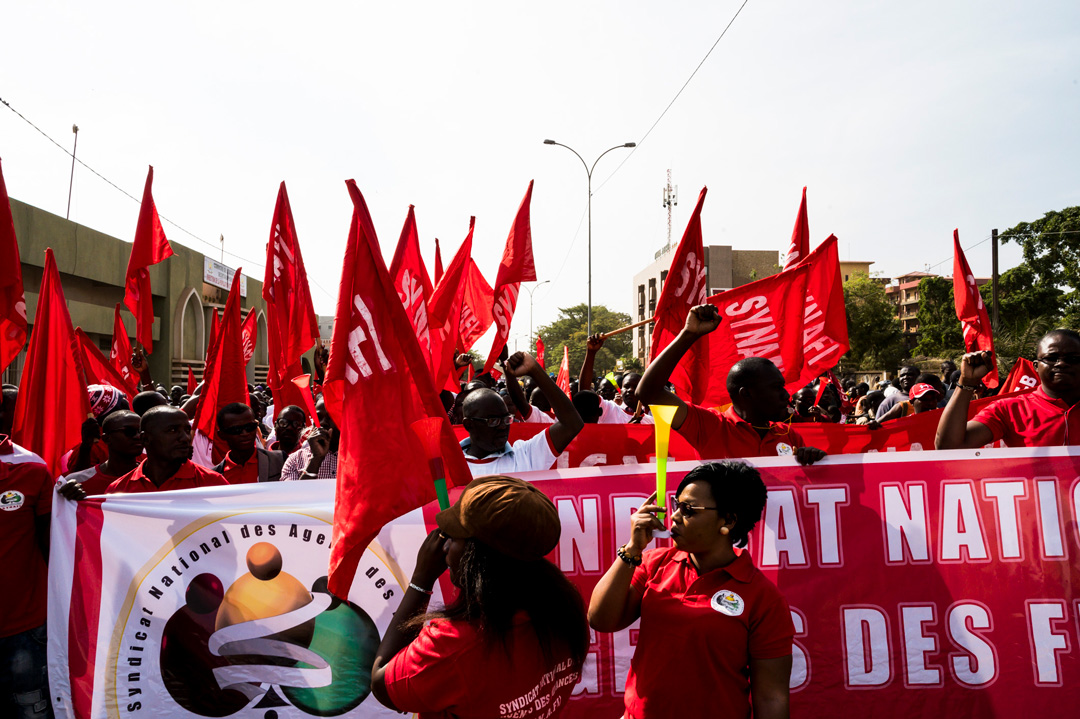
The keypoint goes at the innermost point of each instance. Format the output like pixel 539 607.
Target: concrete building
pixel 725 268
pixel 904 293
pixel 326 328
pixel 854 268
pixel 186 288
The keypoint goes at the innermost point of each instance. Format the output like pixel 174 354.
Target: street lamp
pixel 532 339
pixel 589 171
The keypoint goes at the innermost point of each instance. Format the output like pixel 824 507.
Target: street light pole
pixel 531 290
pixel 588 172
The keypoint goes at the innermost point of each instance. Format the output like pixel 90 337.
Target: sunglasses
pixel 1051 360
pixel 129 432
pixel 295 424
pixel 240 429
pixel 686 509
pixel 495 422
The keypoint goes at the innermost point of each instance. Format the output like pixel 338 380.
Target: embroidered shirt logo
pixel 11 500
pixel 727 602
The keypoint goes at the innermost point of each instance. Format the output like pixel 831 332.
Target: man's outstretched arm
pixel 954 431
pixel 592 346
pixel 568 422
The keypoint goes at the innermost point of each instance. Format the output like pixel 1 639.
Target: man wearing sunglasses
pixel 246 463
pixel 120 433
pixel 1045 417
pixel 487 449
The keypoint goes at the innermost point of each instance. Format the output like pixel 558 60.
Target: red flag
pixel 971 311
pixel 191 383
pixel 249 335
pixel 761 319
pixel 150 247
pixel 825 332
pixel 476 305
pixel 99 370
pixel 225 380
pixel 303 384
pixel 1022 376
pixel 684 289
pixel 120 350
pixel 444 312
pixel 800 237
pixel 438 262
pixel 830 379
pixel 12 299
pixel 562 380
pixel 52 400
pixel 516 267
pixel 213 338
pixel 376 371
pixel 540 350
pixel 411 281
pixel 291 324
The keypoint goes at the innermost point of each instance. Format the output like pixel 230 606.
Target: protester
pixel 120 433
pixel 488 423
pixel 906 378
pixel 525 411
pixel 7 408
pixel 145 401
pixel 752 426
pixel 514 640
pixel 924 398
pixel 1045 417
pixel 947 368
pixel 730 626
pixel 166 436
pixel 803 404
pixel 867 407
pixel 287 428
pixel 612 413
pixel 318 457
pixel 176 394
pixel 91 451
pixel 246 463
pixel 589 406
pixel 26 486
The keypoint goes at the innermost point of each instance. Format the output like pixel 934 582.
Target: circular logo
pixel 784 449
pixel 11 500
pixel 728 602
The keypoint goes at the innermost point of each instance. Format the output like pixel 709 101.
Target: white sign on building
pixel 219 275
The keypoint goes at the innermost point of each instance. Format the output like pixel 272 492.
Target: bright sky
pixel 905 120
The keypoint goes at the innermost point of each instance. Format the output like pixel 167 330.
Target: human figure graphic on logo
pixel 268 641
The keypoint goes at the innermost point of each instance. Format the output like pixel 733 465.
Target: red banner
pixel 971 311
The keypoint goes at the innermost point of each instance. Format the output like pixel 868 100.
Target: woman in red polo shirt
pixel 715 633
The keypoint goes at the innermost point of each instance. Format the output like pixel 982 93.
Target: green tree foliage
pixel 874 332
pixel 570 330
pixel 940 333
pixel 1051 249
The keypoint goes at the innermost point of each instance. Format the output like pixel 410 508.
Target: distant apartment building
pixel 904 293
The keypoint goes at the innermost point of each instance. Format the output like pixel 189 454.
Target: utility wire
pixel 987 239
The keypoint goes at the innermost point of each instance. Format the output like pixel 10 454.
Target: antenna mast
pixel 671 198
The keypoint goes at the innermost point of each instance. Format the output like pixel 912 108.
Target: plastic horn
pixel 662 414
pixel 428 431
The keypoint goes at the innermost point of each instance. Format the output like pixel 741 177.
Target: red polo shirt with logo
pixel 1032 419
pixel 189 476
pixel 26 490
pixel 726 435
pixel 698 635
pixel 246 473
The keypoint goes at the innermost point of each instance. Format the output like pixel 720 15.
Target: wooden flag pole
pixel 605 335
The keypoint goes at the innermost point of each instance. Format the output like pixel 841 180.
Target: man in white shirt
pixel 611 413
pixel 488 423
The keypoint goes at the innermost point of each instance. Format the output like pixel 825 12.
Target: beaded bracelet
pixel 625 556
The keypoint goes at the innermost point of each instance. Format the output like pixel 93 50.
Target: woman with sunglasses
pixel 715 636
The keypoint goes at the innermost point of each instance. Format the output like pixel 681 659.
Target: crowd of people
pixel 513 607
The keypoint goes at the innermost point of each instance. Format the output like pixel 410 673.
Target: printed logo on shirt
pixel 727 602
pixel 784 449
pixel 11 500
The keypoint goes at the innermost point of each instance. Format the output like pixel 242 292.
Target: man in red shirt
pixel 166 435
pixel 753 426
pixel 120 433
pixel 25 503
pixel 1047 417
pixel 246 463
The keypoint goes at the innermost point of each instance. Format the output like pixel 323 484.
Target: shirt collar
pixel 507 451
pixel 1041 394
pixel 741 570
pixel 186 471
pixel 774 427
pixel 230 464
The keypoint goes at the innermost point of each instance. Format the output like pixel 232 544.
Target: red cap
pixel 922 388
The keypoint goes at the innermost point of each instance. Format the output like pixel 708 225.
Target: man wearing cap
pixel 513 641
pixel 120 433
pixel 104 400
pixel 166 435
pixel 487 449
pixel 906 378
pixel 246 462
pixel 924 398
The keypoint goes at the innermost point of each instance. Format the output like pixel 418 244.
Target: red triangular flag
pixel 800 237
pixel 1022 376
pixel 411 281
pixel 971 311
pixel 562 380
pixel 760 319
pixel 291 324
pixel 52 400
pixel 476 305
pixel 150 247
pixel 825 331
pixel 213 337
pixel 438 262
pixel 516 267
pixel 303 384
pixel 684 289
pixel 377 370
pixel 99 370
pixel 444 312
pixel 249 335
pixel 191 383
pixel 120 350
pixel 225 380
pixel 12 298
pixel 540 351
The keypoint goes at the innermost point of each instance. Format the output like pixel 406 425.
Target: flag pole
pixel 605 335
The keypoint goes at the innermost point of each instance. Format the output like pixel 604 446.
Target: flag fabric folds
pixel 1021 377
pixel 291 325
pixel 562 380
pixel 225 380
pixel 684 289
pixel 800 237
pixel 12 299
pixel 52 400
pixel 120 349
pixel 476 306
pixel 825 331
pixel 516 267
pixel 99 370
pixel 444 313
pixel 410 278
pixel 377 385
pixel 249 335
pixel 191 383
pixel 540 351
pixel 438 262
pixel 150 247
pixel 971 311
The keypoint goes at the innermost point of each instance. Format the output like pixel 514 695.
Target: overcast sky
pixel 905 120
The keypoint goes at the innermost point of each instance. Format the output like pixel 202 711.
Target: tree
pixel 570 329
pixel 874 332
pixel 1051 248
pixel 940 332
